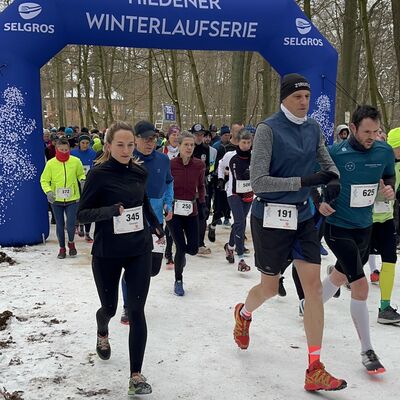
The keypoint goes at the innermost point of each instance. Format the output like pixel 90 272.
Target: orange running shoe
pixel 318 379
pixel 241 330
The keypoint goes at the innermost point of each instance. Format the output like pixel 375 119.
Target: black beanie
pixel 292 83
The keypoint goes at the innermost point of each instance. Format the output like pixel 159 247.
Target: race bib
pixel 243 186
pixel 86 168
pixel 158 247
pixel 280 216
pixel 382 207
pixel 131 220
pixel 363 195
pixel 63 193
pixel 183 207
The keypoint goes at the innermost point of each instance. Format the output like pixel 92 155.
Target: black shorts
pixel 351 248
pixel 383 241
pixel 273 247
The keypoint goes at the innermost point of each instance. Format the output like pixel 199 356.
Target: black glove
pixel 203 211
pixel 158 231
pixel 320 178
pixel 221 184
pixel 331 191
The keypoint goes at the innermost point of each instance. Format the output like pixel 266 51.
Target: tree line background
pixel 93 86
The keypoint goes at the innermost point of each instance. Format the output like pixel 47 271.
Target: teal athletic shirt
pixel 358 168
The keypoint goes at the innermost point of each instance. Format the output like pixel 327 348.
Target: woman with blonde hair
pixel 114 197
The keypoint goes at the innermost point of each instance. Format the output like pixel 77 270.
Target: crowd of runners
pixel 157 197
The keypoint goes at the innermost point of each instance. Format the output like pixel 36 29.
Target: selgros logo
pixel 303 27
pixel 29 10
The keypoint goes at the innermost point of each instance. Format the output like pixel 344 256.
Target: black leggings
pixel 107 273
pixel 185 232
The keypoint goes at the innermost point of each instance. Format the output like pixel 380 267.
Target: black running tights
pixel 107 273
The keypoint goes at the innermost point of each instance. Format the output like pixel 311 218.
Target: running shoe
pixel 301 308
pixel 204 251
pixel 371 362
pixel 241 330
pixel 80 232
pixel 138 385
pixel 317 378
pixel 246 251
pixel 124 316
pixel 62 253
pixel 388 316
pixel 72 250
pixel 375 277
pixel 103 347
pixel 229 254
pixel 211 233
pixel 170 263
pixel 218 222
pixel 243 267
pixel 88 238
pixel 281 289
pixel 178 288
pixel 227 223
pixel 323 251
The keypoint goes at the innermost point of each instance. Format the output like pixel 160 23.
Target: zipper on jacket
pixel 65 178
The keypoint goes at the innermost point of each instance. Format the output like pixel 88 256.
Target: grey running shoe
pixel 103 347
pixel 124 316
pixel 204 251
pixel 138 385
pixel 388 316
pixel 371 362
pixel 229 254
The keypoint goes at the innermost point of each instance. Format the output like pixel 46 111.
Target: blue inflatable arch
pixel 32 32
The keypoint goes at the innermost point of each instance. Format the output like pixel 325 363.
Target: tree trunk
pixel 106 81
pixel 347 63
pixel 374 93
pixel 79 88
pixel 237 86
pixel 267 89
pixel 60 92
pixel 246 84
pixel 151 83
pixel 396 37
pixel 174 65
pixel 307 8
pixel 86 84
pixel 200 100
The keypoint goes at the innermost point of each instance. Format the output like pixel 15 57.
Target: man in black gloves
pixel 286 148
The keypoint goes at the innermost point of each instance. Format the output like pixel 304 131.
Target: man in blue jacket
pixel 160 188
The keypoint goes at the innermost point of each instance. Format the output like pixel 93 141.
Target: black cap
pixel 292 83
pixel 84 137
pixel 197 128
pixel 213 128
pixel 225 129
pixel 145 129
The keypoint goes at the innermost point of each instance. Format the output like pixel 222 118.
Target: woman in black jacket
pixel 114 197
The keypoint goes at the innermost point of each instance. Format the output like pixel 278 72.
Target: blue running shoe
pixel 178 288
pixel 323 250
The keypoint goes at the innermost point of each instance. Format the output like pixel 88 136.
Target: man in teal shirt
pixel 366 169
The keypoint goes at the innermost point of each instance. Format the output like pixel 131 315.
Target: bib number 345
pixel 131 220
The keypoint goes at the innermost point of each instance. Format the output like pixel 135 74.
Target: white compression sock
pixel 372 262
pixel 328 289
pixel 359 313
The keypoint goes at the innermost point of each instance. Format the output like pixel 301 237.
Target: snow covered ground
pixel 190 351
